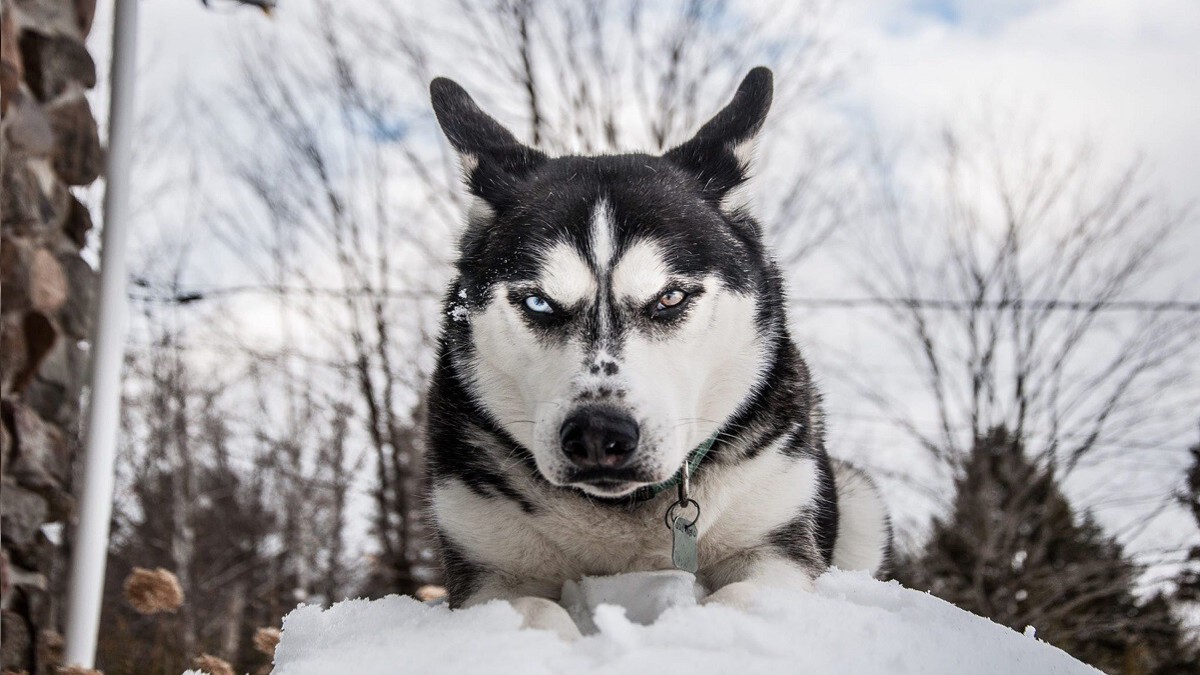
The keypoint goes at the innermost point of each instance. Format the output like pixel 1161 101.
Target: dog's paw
pixel 742 594
pixel 543 614
pixel 738 595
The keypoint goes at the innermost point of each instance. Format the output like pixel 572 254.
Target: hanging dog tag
pixel 683 544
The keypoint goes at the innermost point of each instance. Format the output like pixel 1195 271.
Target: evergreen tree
pixel 1014 550
pixel 1189 578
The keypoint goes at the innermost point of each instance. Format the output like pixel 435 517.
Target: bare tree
pixel 1013 299
pixel 178 496
pixel 353 271
pixel 1015 275
pixel 622 75
pixel 250 516
pixel 341 206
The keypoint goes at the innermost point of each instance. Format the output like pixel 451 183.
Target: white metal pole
pixel 90 551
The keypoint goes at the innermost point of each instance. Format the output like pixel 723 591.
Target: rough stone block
pixel 5 585
pixel 47 17
pixel 60 502
pixel 28 128
pixel 85 12
pixel 38 555
pixel 50 651
pixel 6 448
pixel 75 316
pixel 54 393
pixel 12 346
pixel 55 63
pixel 32 200
pixel 15 648
pixel 11 69
pixel 27 350
pixel 47 397
pixel 22 512
pixel 78 157
pixel 78 223
pixel 40 461
pixel 14 274
pixel 20 195
pixel 34 598
pixel 47 282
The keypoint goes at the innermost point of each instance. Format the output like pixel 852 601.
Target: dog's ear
pixel 492 158
pixel 719 154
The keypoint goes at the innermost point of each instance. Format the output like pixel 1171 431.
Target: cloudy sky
pixel 1124 74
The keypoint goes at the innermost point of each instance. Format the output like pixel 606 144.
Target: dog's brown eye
pixel 671 299
pixel 669 304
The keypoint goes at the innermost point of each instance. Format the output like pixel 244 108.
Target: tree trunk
pixel 231 630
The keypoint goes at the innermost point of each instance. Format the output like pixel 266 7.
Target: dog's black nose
pixel 597 437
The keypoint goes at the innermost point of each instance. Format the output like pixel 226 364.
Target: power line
pixel 185 297
pixel 1029 305
pixel 190 296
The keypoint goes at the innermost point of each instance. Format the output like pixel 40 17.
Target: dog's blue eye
pixel 536 304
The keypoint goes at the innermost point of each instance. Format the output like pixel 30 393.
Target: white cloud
pixel 1123 73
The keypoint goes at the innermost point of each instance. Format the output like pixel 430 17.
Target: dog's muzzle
pixel 599 441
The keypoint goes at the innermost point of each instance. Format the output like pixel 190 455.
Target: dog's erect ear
pixel 719 154
pixel 492 158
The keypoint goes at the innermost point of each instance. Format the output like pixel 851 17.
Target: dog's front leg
pixel 537 611
pixel 545 614
pixel 737 580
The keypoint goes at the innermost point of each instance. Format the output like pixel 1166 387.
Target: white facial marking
pixel 603 234
pixel 686 383
pixel 640 273
pixel 566 278
pixel 679 381
pixel 525 382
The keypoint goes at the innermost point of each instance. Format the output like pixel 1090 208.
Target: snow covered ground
pixel 851 624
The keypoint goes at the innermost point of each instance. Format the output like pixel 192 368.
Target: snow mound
pixel 850 624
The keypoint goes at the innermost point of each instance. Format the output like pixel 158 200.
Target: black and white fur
pixel 595 245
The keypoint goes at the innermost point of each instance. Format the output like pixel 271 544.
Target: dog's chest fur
pixel 565 536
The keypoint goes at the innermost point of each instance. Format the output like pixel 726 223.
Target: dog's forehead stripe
pixel 566 277
pixel 603 235
pixel 640 272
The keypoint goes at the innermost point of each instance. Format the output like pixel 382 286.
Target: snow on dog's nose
pixel 599 438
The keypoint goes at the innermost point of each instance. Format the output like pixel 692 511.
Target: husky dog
pixel 616 322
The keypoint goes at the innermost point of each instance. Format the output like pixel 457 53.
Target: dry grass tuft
pixel 213 665
pixel 266 639
pixel 153 591
pixel 430 592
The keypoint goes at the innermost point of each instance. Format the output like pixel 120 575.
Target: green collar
pixel 693 463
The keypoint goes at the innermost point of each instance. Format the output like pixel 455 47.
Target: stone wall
pixel 48 145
